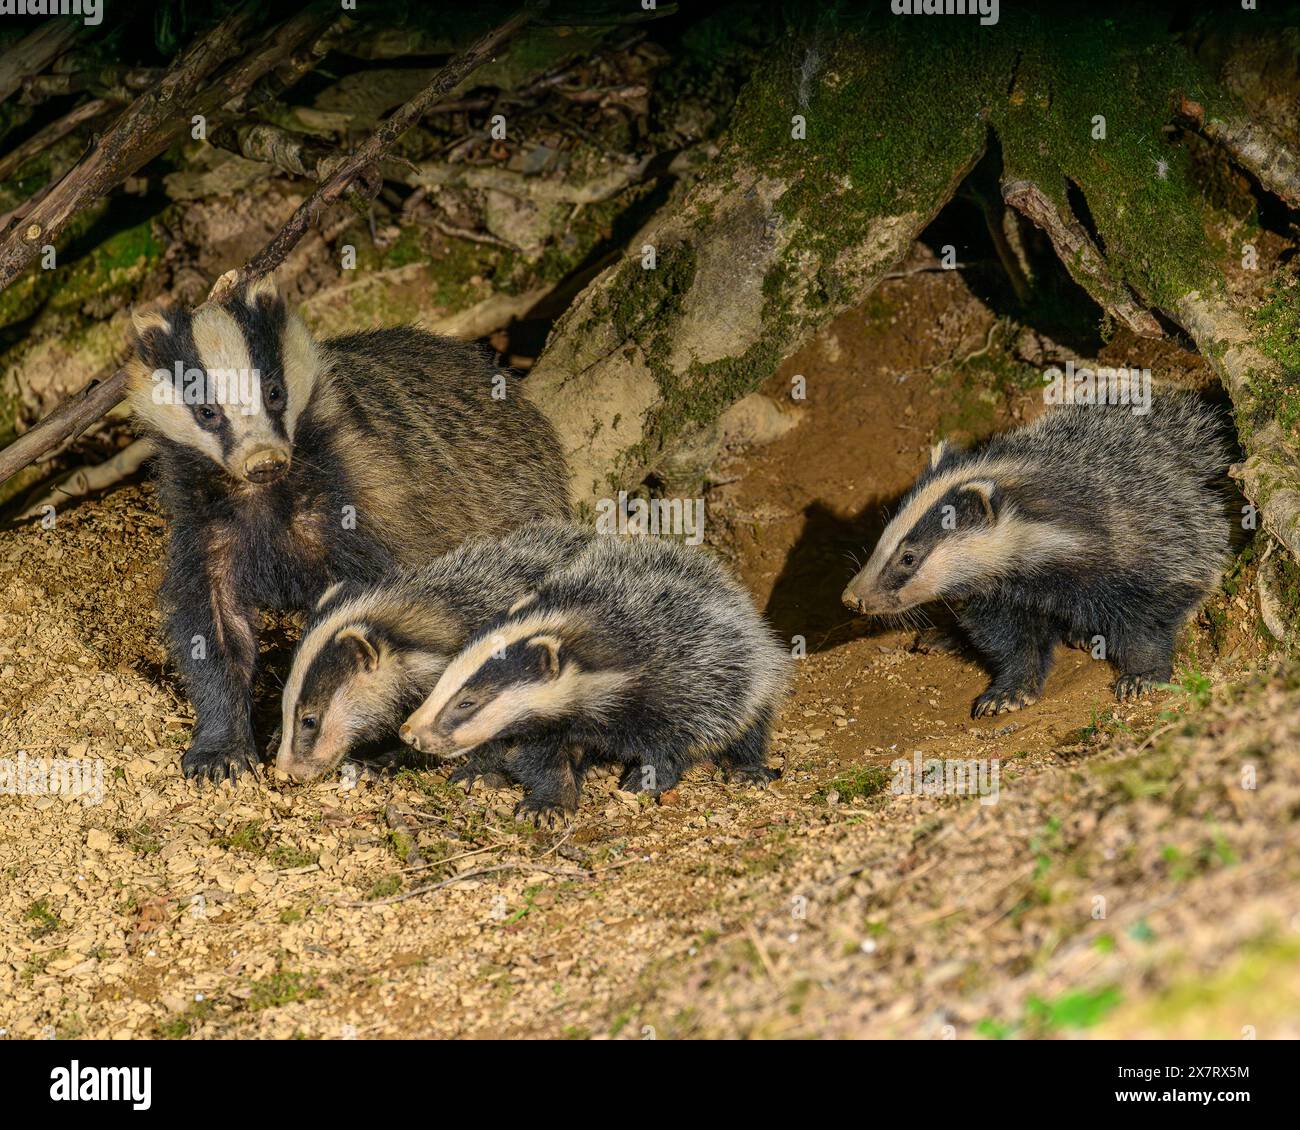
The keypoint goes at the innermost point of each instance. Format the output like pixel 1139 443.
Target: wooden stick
pixel 34 53
pixel 146 128
pixel 43 139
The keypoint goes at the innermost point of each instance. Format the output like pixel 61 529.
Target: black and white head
pixel 958 532
pixel 229 381
pixel 354 677
pixel 508 679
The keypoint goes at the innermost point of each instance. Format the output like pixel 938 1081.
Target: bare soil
pixel 1137 874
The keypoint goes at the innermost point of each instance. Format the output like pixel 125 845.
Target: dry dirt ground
pixel 1137 874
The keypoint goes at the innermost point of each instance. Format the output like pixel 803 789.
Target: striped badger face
pixel 228 381
pixel 345 688
pixel 500 684
pixel 952 532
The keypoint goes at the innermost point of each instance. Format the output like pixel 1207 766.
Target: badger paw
pixel 542 813
pixel 759 776
pixel 1130 688
pixel 217 763
pixel 470 775
pixel 646 779
pixel 994 701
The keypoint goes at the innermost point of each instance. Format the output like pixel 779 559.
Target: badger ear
pixel 548 648
pixel 356 637
pixel 149 319
pixel 937 452
pixel 984 494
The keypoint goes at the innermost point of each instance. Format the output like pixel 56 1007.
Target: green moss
pixel 46 922
pixel 282 988
pixel 1139 192
pixel 861 784
pixel 1277 326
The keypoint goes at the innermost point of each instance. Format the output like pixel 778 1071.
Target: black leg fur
pixel 1145 659
pixel 551 771
pixel 1018 645
pixel 745 760
pixel 216 660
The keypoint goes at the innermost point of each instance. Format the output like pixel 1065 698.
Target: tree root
pixel 87 480
pixel 1075 248
pixel 1254 147
pixel 1270 475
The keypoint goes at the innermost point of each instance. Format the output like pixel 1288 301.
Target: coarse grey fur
pixel 370 653
pixel 1092 524
pixel 642 652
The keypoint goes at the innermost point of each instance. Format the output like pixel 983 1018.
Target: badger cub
pixel 1089 522
pixel 286 464
pixel 642 652
pixel 371 653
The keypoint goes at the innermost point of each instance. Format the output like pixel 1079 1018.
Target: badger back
pixel 434 440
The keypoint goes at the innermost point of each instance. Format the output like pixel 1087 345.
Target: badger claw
pixel 217 764
pixel 1001 702
pixel 1129 688
pixel 759 776
pixel 542 813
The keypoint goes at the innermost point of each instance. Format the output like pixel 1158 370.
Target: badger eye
pixel 273 395
pixel 909 559
pixel 307 721
pixel 207 412
pixel 465 704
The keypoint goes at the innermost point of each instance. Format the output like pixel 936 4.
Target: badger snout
pixel 410 737
pixel 265 465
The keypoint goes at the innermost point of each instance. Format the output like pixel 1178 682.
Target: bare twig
pixel 55 131
pixel 361 166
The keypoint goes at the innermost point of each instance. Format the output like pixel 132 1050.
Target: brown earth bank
pixel 1134 873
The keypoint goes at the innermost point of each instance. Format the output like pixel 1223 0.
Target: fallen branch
pixel 146 128
pixel 362 166
pixel 85 480
pixel 1085 262
pixel 297 153
pixel 92 402
pixel 34 53
pixel 67 421
pixel 55 131
pixel 1254 147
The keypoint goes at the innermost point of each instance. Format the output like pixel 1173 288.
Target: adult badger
pixel 287 464
pixel 1090 521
